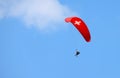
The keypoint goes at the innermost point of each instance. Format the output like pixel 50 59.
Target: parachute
pixel 80 26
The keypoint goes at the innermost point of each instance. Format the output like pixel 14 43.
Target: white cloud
pixel 39 13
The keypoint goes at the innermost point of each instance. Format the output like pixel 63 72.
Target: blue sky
pixel 28 51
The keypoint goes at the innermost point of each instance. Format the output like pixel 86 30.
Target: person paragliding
pixel 79 24
pixel 77 53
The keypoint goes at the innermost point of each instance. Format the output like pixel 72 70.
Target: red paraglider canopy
pixel 81 27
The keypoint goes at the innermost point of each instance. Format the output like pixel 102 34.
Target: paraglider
pixel 81 27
